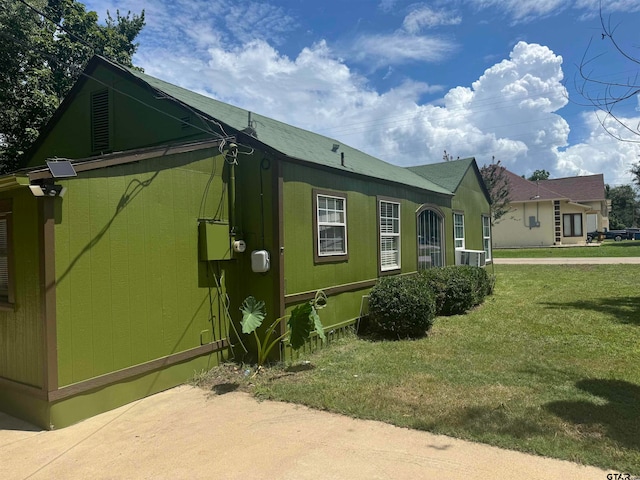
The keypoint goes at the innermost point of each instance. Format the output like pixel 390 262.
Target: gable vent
pixel 185 122
pixel 100 121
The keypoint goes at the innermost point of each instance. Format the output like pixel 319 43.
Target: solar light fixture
pixel 61 168
pixel 47 190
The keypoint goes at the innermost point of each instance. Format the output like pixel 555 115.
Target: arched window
pixel 430 239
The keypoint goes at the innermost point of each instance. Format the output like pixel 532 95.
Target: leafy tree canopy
pixel 539 175
pixel 625 207
pixel 497 183
pixel 40 61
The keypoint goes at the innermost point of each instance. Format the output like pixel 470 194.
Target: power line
pixel 205 119
pixel 61 27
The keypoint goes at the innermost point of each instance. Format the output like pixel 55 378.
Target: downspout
pixel 232 200
pixel 231 158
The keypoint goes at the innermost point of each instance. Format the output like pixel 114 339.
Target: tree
pixel 624 206
pixel 44 50
pixel 447 157
pixel 497 182
pixel 635 171
pixel 539 175
pixel 609 96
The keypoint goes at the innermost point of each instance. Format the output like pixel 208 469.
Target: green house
pixel 470 205
pixel 123 275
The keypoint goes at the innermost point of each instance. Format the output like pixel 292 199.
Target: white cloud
pixel 523 10
pixel 609 6
pixel 512 111
pixel 426 17
pixel 230 21
pixel 387 5
pixel 602 152
pixel 399 47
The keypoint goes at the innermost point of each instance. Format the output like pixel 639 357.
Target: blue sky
pixel 405 81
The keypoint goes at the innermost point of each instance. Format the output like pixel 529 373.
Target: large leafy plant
pixel 302 321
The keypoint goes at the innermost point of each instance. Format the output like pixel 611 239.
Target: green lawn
pixel 608 248
pixel 550 365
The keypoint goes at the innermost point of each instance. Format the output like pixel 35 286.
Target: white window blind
pixel 486 236
pixel 389 235
pixel 458 228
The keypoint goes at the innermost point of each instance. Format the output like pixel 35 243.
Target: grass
pixel 550 365
pixel 608 248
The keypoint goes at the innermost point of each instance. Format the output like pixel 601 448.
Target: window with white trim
pixel 458 230
pixel 389 235
pixel 331 216
pixel 486 236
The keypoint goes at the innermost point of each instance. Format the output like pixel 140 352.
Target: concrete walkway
pixel 185 433
pixel 566 261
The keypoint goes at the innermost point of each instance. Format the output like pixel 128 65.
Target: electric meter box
pixel 215 243
pixel 260 261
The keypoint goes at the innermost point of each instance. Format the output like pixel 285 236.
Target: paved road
pixel 184 433
pixel 566 261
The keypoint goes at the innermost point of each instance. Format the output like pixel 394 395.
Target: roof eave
pixel 12 182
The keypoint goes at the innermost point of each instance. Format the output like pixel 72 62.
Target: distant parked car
pixel 617 235
pixel 633 233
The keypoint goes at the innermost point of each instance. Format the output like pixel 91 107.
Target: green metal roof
pixel 289 140
pixel 447 174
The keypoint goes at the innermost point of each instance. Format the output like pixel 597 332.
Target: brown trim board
pixel 129 156
pixel 128 373
pixel 48 293
pixel 336 289
pixel 347 287
pixel 278 229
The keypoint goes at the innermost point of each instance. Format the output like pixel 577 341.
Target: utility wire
pixel 61 27
pixel 206 120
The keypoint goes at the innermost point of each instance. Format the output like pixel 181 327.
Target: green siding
pixel 128 275
pixel 471 199
pixel 21 333
pixel 145 121
pixel 254 215
pixel 69 411
pixel 302 275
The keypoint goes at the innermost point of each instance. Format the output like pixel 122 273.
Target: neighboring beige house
pixel 552 212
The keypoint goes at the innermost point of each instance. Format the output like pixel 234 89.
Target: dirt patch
pixel 230 377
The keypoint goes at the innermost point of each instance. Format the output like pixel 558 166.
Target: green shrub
pixel 457 289
pixel 480 283
pixel 452 288
pixel 401 307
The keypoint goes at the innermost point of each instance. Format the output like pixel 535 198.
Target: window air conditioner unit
pixel 474 258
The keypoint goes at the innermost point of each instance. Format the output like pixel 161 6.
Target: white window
pixel 458 230
pixel 486 236
pixel 332 225
pixel 389 235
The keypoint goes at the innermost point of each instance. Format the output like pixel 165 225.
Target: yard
pixel 550 364
pixel 608 248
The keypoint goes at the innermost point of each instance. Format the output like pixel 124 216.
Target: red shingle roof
pixel 576 189
pixel 522 190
